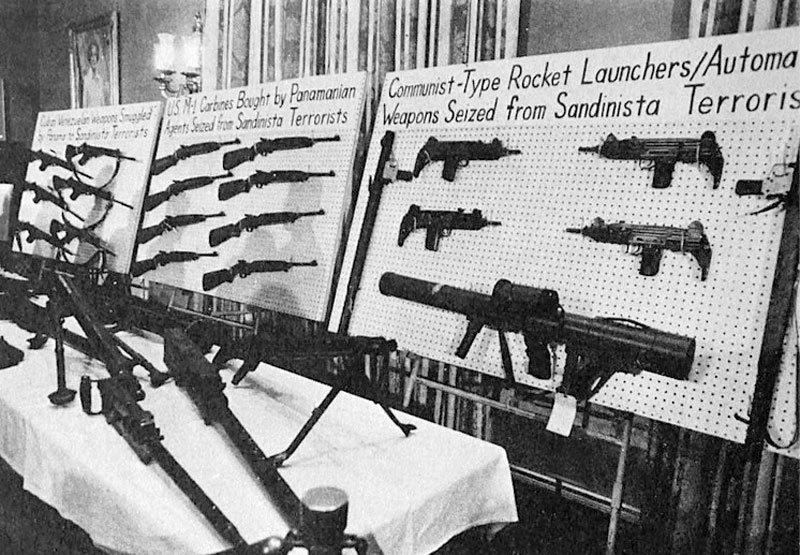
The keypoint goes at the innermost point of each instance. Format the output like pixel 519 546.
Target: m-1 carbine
pixel 36 234
pixel 651 240
pixel 596 348
pixel 458 154
pixel 230 189
pixel 87 152
pixel 439 223
pixel 70 233
pixel 267 146
pixel 243 268
pixel 173 222
pixel 187 151
pixel 250 223
pixel 166 257
pixel 79 188
pixel 177 187
pixel 663 154
pixel 40 194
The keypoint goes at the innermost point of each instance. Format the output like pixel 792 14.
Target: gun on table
pixel 71 233
pixel 187 151
pixel 177 187
pixel 79 188
pixel 163 258
pixel 260 178
pixel 664 154
pixel 87 152
pixel 267 146
pixel 651 240
pixel 36 234
pixel 243 268
pixel 439 223
pixel 250 223
pixel 173 222
pixel 596 348
pixel 458 154
pixel 46 160
pixel 40 194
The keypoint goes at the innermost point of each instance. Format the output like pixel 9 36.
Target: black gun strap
pixel 224 527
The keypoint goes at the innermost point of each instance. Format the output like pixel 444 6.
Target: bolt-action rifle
pixel 87 152
pixel 187 151
pixel 267 146
pixel 166 257
pixel 458 154
pixel 596 348
pixel 439 223
pixel 177 187
pixel 40 194
pixel 173 222
pixel 651 240
pixel 36 234
pixel 260 178
pixel 70 233
pixel 250 223
pixel 79 188
pixel 663 154
pixel 243 268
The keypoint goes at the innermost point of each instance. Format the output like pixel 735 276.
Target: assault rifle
pixel 87 152
pixel 71 233
pixel 651 240
pixel 243 268
pixel 173 222
pixel 230 189
pixel 439 223
pixel 40 194
pixel 79 188
pixel 663 154
pixel 36 234
pixel 458 154
pixel 177 187
pixel 596 348
pixel 267 146
pixel 163 258
pixel 46 160
pixel 249 223
pixel 187 151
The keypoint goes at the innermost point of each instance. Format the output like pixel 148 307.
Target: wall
pixel 565 25
pixel 139 23
pixel 19 67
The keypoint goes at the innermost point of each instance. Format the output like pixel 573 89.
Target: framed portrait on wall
pixel 94 65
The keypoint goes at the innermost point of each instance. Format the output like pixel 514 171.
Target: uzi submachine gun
pixel 663 154
pixel 166 257
pixel 187 151
pixel 177 187
pixel 458 154
pixel 40 194
pixel 243 269
pixel 439 223
pixel 650 241
pixel 250 223
pixel 230 189
pixel 87 152
pixel 267 146
pixel 70 233
pixel 596 348
pixel 79 188
pixel 173 222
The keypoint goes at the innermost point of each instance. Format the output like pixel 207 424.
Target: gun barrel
pixel 589 148
pixel 574 230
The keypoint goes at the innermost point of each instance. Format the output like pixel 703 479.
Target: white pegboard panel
pixel 130 129
pixel 320 108
pixel 551 186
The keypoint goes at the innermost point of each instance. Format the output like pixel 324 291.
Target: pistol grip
pixel 662 174
pixel 474 326
pixel 651 261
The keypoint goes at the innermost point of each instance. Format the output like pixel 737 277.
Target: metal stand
pixel 62 395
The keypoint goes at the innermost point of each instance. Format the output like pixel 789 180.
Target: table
pixel 407 495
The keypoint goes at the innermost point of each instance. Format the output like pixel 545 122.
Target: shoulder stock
pixel 236 157
pixel 230 189
pixel 212 280
pixel 160 165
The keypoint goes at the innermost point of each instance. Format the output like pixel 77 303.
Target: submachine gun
pixel 267 146
pixel 663 154
pixel 439 223
pixel 596 348
pixel 87 152
pixel 79 188
pixel 458 154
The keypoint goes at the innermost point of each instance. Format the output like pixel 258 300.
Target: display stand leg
pixel 62 395
pixel 616 495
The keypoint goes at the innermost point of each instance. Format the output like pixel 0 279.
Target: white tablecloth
pixel 407 495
